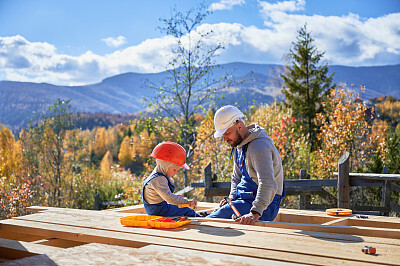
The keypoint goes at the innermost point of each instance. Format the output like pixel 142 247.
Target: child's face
pixel 172 171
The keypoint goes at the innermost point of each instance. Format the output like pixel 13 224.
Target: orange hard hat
pixel 171 152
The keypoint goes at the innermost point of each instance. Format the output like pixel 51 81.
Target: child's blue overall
pixel 163 208
pixel 246 192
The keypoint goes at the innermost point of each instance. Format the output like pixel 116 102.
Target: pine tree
pixel 306 84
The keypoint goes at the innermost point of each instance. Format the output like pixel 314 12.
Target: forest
pixel 63 160
pixel 53 164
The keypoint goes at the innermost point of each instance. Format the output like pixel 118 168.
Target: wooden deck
pixel 51 236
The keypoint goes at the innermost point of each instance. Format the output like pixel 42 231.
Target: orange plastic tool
pixel 154 221
pixel 339 212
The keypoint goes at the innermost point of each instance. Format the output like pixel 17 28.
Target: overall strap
pixel 170 185
pixel 240 158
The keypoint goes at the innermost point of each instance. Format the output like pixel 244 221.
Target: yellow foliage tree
pixel 106 163
pixel 111 141
pixel 209 149
pixel 280 125
pixel 376 140
pixel 11 154
pixel 124 155
pixel 343 130
pixel 99 145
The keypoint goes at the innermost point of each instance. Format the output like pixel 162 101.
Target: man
pixel 257 179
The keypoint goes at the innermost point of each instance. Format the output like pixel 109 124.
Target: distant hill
pixel 123 93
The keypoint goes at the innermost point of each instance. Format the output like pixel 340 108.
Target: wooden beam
pixel 130 239
pixel 29 247
pixel 341 221
pixel 370 176
pixel 208 183
pixel 245 237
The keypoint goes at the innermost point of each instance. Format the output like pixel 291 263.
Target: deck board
pixel 276 241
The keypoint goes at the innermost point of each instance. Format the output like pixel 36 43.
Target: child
pixel 158 188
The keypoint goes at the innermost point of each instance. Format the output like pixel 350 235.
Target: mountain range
pixel 124 93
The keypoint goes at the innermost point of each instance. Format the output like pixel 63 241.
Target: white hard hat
pixel 224 119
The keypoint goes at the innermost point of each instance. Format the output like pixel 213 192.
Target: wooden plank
pixel 60 243
pixel 301 217
pixel 19 236
pixel 310 183
pixel 365 183
pixel 12 254
pixel 395 187
pixel 207 234
pixel 369 176
pixel 288 183
pixel 305 234
pixel 100 254
pixel 136 240
pixel 139 209
pixel 219 259
pixel 342 221
pixel 35 209
pixel 31 248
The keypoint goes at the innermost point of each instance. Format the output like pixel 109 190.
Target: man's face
pixel 232 136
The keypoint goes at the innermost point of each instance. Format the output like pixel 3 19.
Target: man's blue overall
pixel 163 208
pixel 246 192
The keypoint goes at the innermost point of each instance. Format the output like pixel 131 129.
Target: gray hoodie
pixel 264 166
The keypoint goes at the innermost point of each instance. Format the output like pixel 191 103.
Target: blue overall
pixel 163 208
pixel 246 192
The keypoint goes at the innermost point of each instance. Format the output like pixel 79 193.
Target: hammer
pixel 237 213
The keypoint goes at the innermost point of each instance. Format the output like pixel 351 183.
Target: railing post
pixel 97 201
pixel 343 185
pixel 303 200
pixel 386 191
pixel 208 182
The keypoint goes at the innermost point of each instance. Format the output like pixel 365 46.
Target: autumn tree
pixel 125 155
pixel 376 146
pixel 209 149
pixel 279 122
pixel 47 143
pixel 190 84
pixel 392 157
pixel 11 156
pixel 343 129
pixel 106 163
pixel 307 84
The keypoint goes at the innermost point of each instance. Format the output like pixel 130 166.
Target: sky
pixel 79 42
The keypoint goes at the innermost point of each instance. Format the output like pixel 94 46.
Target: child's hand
pixel 192 203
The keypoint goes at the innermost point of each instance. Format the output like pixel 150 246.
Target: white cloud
pixel 225 4
pixel 285 6
pixel 114 42
pixel 346 40
pixel 21 60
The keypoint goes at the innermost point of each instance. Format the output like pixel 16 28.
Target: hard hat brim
pixel 219 133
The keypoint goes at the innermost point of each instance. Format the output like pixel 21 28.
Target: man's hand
pixel 192 203
pixel 249 219
pixel 222 203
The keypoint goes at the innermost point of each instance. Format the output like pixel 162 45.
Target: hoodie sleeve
pixel 159 185
pixel 260 156
pixel 235 180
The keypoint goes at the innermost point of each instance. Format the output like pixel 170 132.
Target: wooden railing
pixel 304 187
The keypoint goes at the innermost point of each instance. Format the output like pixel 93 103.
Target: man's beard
pixel 238 140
